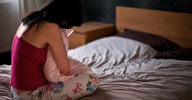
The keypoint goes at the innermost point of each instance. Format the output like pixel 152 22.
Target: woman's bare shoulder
pixel 51 31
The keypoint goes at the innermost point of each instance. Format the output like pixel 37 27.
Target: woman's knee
pixel 93 82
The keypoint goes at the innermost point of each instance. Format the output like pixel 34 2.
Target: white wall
pixel 11 12
pixel 8 23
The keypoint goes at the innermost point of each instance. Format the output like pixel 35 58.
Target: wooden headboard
pixel 176 27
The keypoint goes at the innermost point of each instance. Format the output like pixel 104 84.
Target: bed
pixel 129 68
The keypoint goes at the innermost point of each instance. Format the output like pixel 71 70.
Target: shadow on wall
pixel 9 24
pixel 104 10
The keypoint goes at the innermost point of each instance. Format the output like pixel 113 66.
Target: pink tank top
pixel 27 65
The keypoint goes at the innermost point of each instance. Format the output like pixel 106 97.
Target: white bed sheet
pixel 127 71
pixel 4 82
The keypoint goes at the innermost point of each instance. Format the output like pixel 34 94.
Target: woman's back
pixel 28 57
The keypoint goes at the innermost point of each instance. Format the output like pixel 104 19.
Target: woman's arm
pixel 54 40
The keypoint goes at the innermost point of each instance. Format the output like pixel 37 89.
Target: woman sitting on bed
pixel 39 31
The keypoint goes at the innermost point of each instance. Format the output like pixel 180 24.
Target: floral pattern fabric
pixel 81 85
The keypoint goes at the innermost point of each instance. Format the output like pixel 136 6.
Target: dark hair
pixel 57 11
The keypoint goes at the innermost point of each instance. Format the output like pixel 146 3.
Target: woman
pixel 37 32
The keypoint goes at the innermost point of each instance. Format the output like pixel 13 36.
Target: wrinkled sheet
pixel 127 71
pixel 4 82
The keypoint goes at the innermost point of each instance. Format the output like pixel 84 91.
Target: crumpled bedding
pixel 127 71
pixel 4 82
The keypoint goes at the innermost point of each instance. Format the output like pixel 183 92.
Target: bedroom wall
pixel 10 15
pixel 8 26
pixel 104 10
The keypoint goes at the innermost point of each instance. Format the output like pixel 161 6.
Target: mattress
pixel 126 71
pixel 4 82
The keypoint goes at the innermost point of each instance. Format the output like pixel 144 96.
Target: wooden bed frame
pixel 176 27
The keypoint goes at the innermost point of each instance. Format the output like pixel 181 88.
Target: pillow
pixel 159 43
pixel 180 54
pixel 52 73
